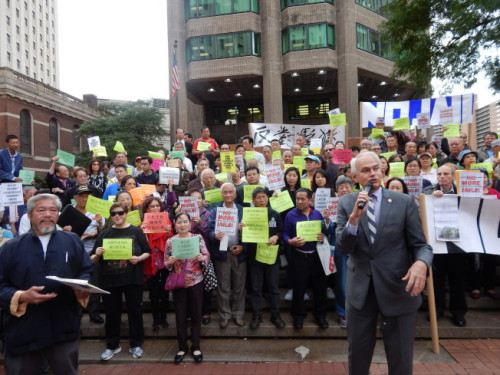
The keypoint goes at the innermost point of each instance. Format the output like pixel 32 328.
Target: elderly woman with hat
pixel 466 158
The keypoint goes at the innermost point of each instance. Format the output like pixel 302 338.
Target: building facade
pixel 44 118
pixel 28 39
pixel 487 120
pixel 277 61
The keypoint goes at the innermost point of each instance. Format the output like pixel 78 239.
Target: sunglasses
pixel 119 213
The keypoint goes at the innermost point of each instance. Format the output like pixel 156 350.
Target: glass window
pixel 312 109
pixel 208 8
pixel 369 40
pixel 297 38
pixel 241 6
pixel 225 45
pixel 223 7
pixel 25 131
pixel 317 36
pixel 308 37
pixel 291 3
pixel 244 113
pixel 53 137
pixel 377 6
pixel 76 139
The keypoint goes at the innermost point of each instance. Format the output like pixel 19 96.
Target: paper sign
pixel 299 162
pixel 157 163
pixel 377 133
pixel 402 123
pixel 338 120
pixel 119 147
pixel 309 230
pixel 213 195
pixel 137 195
pixel 276 154
pixel 446 116
pixel 452 130
pixel 156 155
pixel 304 151
pixel 342 156
pixel 257 225
pixel 134 218
pixel 171 163
pixel 186 248
pixel 66 158
pixel 203 146
pixel 155 222
pixel 222 177
pixel 148 189
pixel 275 178
pixel 129 171
pixel 166 174
pixel 397 169
pixel 434 163
pixel 93 141
pixel 387 155
pixel 111 198
pixel 177 154
pixel 470 184
pixel 316 144
pixel 98 206
pixel 117 248
pixel 240 162
pixel 228 162
pixel 226 220
pixel 282 202
pixel 247 192
pixel 189 205
pixel 332 206
pixel 305 183
pixel 27 176
pixel 320 198
pixel 414 184
pixel 100 151
pixel 266 253
pixel 12 194
pixel 486 165
pixel 423 120
pixel 250 155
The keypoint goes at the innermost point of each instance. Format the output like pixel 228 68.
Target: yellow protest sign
pixel 338 120
pixel 250 155
pixel 119 147
pixel 452 130
pixel 228 163
pixel 276 154
pixel 288 166
pixel 203 146
pixel 156 155
pixel 266 253
pixel 304 151
pixel 222 177
pixel 387 155
pixel 486 165
pixel 117 248
pixel 434 163
pixel 299 162
pixel 397 169
pixel 98 206
pixel 213 195
pixel 247 192
pixel 282 202
pixel 257 225
pixel 111 198
pixel 402 123
pixel 100 151
pixel 377 133
pixel 134 218
pixel 129 171
pixel 309 230
pixel 305 183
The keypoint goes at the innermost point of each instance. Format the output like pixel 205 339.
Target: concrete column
pixel 345 38
pixel 271 61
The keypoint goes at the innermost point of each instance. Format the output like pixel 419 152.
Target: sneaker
pixel 342 322
pixel 306 297
pixel 109 353
pixel 329 293
pixel 289 295
pixel 136 352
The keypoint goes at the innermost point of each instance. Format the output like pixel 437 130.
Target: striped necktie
pixel 372 224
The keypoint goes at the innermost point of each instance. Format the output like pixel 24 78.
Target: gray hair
pixel 28 188
pixel 228 184
pixel 178 143
pixel 32 201
pixel 364 155
pixel 206 171
pixel 343 180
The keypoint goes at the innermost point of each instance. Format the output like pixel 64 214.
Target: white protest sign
pixel 238 159
pixel 414 184
pixel 332 206
pixel 12 194
pixel 275 178
pixel 166 174
pixel 423 120
pixel 226 220
pixel 320 197
pixel 470 184
pixel 93 142
pixel 446 116
pixel 189 206
pixel 316 143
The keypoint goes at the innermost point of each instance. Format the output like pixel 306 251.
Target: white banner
pixel 263 133
pixel 462 109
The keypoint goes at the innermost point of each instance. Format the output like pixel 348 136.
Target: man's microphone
pixel 368 188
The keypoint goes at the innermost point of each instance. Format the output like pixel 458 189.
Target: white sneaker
pixel 289 295
pixel 109 353
pixel 329 293
pixel 137 352
pixel 306 297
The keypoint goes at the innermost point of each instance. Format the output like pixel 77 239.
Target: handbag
pixel 209 276
pixel 176 280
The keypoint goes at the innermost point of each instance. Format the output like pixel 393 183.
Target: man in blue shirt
pixel 11 161
pixel 305 261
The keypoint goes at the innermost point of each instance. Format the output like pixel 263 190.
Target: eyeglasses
pixel 119 213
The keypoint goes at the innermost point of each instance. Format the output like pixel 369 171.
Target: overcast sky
pixel 117 49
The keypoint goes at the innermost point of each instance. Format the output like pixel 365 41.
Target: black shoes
pixel 321 322
pixel 198 358
pixel 205 319
pixel 96 318
pixel 255 323
pixel 298 323
pixel 276 320
pixel 459 321
pixel 179 357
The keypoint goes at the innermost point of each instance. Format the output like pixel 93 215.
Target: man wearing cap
pixel 88 238
pixel 312 165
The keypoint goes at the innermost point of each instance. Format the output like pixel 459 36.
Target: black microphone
pixel 368 188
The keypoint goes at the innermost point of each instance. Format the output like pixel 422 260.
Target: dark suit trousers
pixel 399 335
pixel 188 302
pixel 451 266
pixel 305 267
pixel 270 273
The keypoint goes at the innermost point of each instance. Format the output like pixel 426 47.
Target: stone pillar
pixel 271 61
pixel 345 29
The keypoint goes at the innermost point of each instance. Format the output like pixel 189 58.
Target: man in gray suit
pixel 387 268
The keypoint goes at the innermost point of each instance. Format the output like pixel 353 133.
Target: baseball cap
pixel 313 158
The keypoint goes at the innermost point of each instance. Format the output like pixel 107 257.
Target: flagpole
pixel 176 96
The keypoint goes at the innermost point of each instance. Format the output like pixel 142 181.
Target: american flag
pixel 176 85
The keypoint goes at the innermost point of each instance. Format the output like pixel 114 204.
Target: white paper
pixel 446 116
pixel 414 184
pixel 316 143
pixel 223 243
pixel 166 174
pixel 470 184
pixel 226 220
pixel 78 284
pixel 12 194
pixel 332 206
pixel 446 218
pixel 93 142
pixel 320 197
pixel 189 206
pixel 275 178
